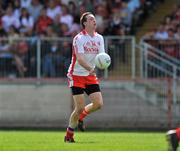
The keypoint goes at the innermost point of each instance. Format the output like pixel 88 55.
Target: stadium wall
pixel 34 105
pixel 50 105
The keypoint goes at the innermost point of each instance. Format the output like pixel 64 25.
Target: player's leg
pixel 97 102
pixel 95 96
pixel 78 98
pixel 172 140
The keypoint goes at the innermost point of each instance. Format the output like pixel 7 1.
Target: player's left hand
pixel 92 72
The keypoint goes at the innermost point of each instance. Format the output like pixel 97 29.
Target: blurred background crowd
pixel 166 34
pixel 169 27
pixel 61 17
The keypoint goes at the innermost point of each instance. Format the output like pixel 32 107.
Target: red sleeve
pixel 178 133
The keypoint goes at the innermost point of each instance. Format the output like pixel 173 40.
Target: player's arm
pixel 83 63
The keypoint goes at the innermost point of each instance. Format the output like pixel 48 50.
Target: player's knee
pixel 98 105
pixel 79 110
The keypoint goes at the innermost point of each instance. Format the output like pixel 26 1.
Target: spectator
pixel 150 34
pixel 168 22
pixel 13 49
pixel 100 12
pixel 17 8
pixel 26 21
pixel 75 28
pixel 48 65
pixel 65 17
pixel 161 33
pixel 5 58
pixel 25 3
pixel 126 15
pixel 9 19
pixel 171 34
pixel 2 31
pixel 133 5
pixel 118 48
pixel 19 49
pixel 30 60
pixel 53 10
pixel 54 57
pixel 82 9
pixel 43 22
pixel 12 34
pixel 177 13
pixel 88 5
pixel 19 59
pixel 65 30
pixel 73 10
pixel 34 9
pixel 66 53
pixel 177 34
pixel 49 50
pixel 56 26
pixel 116 21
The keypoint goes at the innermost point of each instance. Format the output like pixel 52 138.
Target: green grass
pixel 88 141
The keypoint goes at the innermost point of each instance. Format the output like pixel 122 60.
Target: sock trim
pixel 70 129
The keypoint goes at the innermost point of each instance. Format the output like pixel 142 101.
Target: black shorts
pixel 89 89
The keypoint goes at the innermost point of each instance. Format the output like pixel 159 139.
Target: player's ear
pixel 84 23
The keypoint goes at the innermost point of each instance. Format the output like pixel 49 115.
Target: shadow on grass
pixel 86 142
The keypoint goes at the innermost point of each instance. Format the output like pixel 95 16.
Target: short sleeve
pixel 101 49
pixel 78 45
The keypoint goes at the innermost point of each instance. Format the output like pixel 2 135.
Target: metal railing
pixel 49 57
pixel 161 73
pixel 163 61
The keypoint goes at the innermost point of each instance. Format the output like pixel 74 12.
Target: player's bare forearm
pixel 83 63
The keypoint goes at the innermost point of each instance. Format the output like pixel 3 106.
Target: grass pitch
pixel 87 141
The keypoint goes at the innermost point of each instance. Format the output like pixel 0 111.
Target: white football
pixel 102 60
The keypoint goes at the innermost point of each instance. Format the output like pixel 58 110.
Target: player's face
pixel 91 22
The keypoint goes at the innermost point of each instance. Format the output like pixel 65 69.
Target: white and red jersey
pixel 90 47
